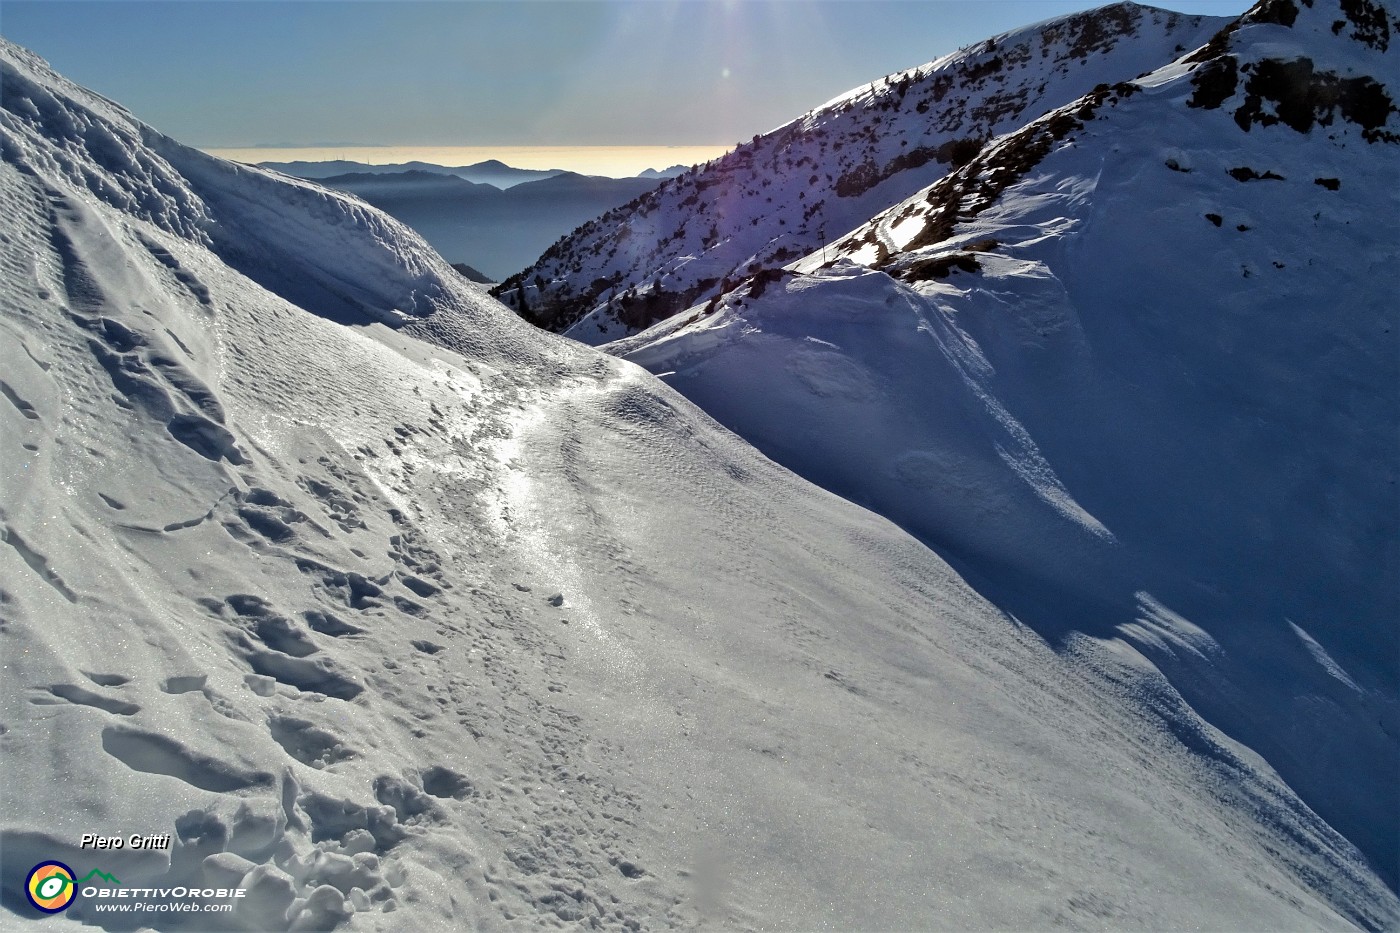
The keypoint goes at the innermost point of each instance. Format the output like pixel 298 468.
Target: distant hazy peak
pixel 671 172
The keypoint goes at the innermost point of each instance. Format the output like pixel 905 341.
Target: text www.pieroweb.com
pixel 167 907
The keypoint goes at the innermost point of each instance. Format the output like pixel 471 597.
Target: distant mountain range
pixel 495 231
pixel 490 172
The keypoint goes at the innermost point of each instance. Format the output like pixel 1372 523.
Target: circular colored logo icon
pixel 50 887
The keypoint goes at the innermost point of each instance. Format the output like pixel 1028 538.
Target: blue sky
pixel 407 72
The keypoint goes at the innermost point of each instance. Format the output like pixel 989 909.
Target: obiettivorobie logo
pixel 51 885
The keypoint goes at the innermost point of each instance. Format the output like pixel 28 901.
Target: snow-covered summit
pixel 787 192
pixel 1324 70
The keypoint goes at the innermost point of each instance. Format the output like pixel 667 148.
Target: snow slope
pixel 1135 372
pixel 403 615
pixel 789 191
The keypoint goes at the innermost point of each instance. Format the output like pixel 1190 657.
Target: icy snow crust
pixel 787 192
pixel 1135 372
pixel 458 625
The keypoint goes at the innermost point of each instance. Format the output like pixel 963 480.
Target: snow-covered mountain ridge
pixel 401 614
pixel 789 191
pixel 101 150
pixel 1145 346
pixel 1280 85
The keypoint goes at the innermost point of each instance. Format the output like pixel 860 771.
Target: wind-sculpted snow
pixel 266 225
pixel 789 191
pixel 1133 369
pixel 457 625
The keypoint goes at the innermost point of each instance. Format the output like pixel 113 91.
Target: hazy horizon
pixel 613 161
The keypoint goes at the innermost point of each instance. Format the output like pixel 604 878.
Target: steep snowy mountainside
pixel 1134 370
pixel 461 625
pixel 789 191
